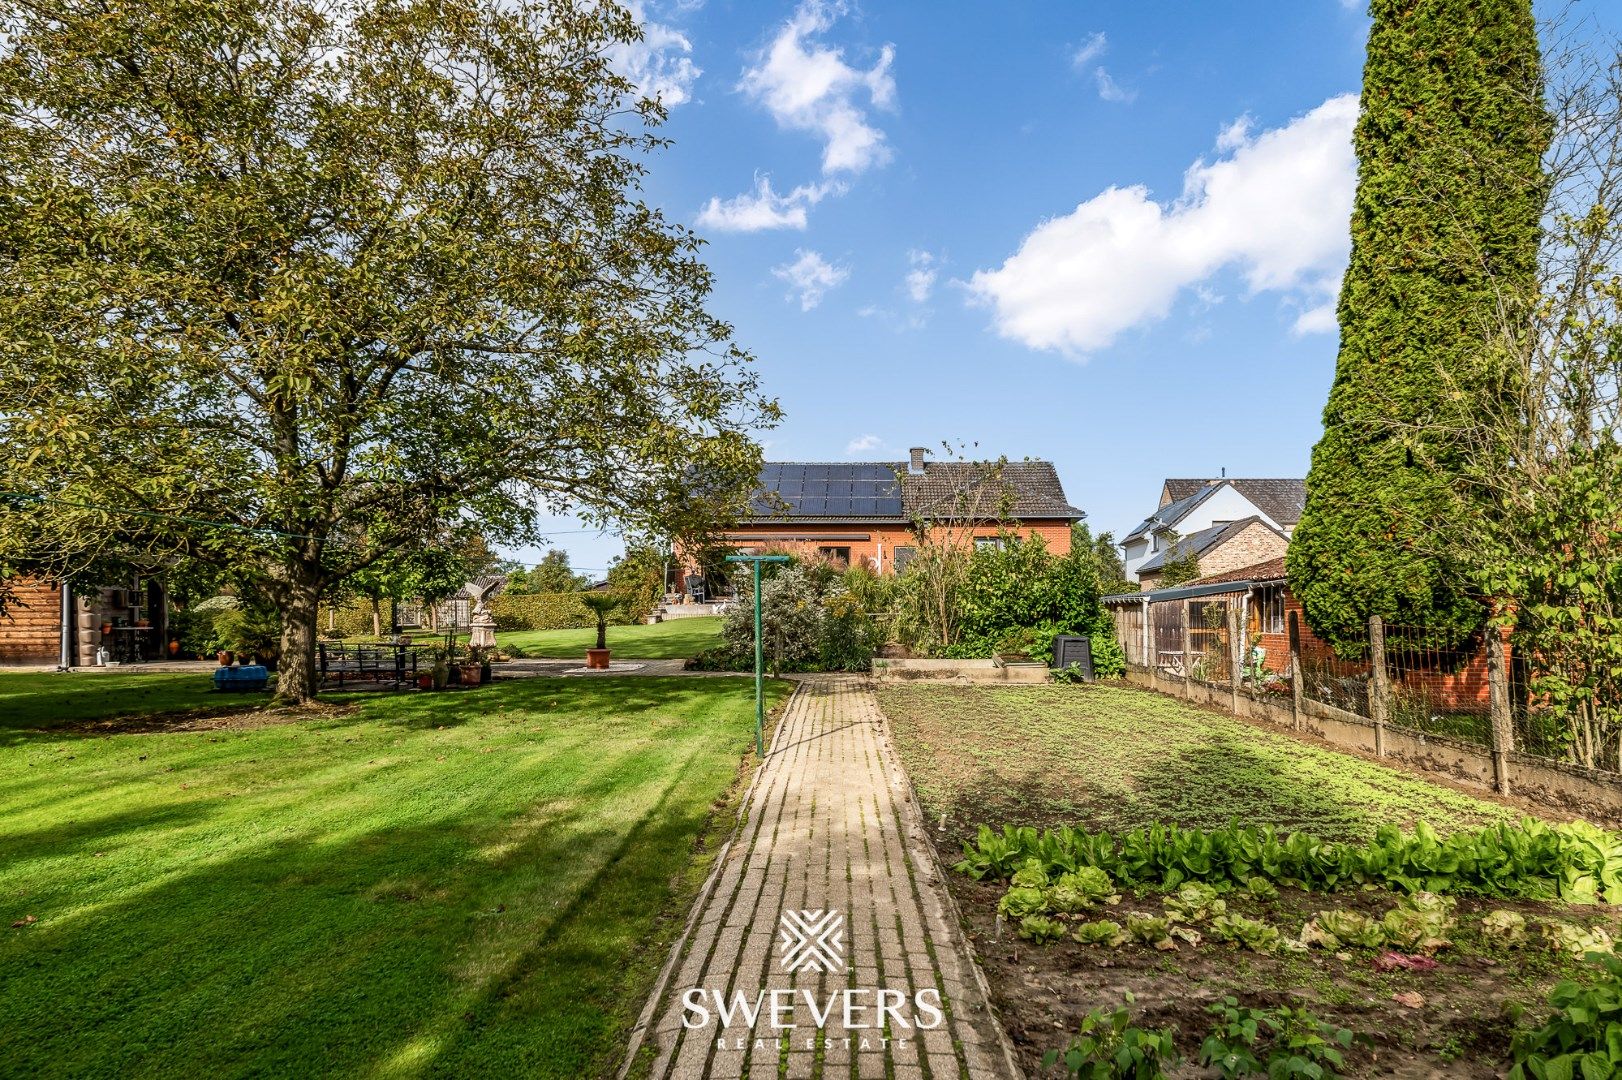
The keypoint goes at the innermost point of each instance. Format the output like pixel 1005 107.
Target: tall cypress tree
pixel 1445 231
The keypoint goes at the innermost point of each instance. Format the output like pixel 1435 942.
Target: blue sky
pixel 1105 234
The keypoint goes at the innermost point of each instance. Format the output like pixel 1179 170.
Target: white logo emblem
pixel 813 940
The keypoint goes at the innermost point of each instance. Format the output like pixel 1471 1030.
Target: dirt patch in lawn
pixel 244 717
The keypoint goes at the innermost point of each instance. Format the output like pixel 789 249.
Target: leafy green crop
pixel 1021 901
pixel 1041 929
pixel 1195 903
pixel 1109 1047
pixel 1278 1042
pixel 1150 929
pixel 1505 927
pixel 1337 927
pixel 1081 890
pixel 1567 937
pixel 1420 923
pixel 1253 934
pixel 1103 932
pixel 1584 1036
pixel 1576 862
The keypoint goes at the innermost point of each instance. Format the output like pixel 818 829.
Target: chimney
pixel 916 465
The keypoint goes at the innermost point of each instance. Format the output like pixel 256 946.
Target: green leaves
pixel 1278 1042
pixel 1109 1046
pixel 1576 861
pixel 345 286
pixel 1445 233
pixel 1583 1036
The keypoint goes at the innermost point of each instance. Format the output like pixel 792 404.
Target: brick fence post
pixel 1297 683
pixel 1236 642
pixel 1379 688
pixel 1503 730
pixel 1188 655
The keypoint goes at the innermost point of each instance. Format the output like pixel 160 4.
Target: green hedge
pixel 541 611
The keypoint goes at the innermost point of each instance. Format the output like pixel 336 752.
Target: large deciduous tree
pixel 1445 231
pixel 311 283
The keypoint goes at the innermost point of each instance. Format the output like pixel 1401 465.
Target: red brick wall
pixel 1464 689
pixel 31 629
pixel 887 536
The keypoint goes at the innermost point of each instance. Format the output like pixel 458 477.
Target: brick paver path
pixel 828 825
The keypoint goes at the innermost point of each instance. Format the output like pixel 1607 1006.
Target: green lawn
pixel 1116 758
pixel 42 700
pixel 678 638
pixel 472 884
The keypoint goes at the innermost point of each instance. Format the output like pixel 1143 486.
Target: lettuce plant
pixel 1253 934
pixel 1103 932
pixel 1081 890
pixel 1420 923
pixel 1041 929
pixel 1195 903
pixel 1021 901
pixel 1150 929
pixel 1505 927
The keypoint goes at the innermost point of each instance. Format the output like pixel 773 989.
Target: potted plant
pixel 603 603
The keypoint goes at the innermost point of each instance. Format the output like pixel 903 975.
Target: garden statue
pixel 482 624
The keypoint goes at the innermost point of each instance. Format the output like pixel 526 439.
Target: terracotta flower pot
pixel 223 657
pixel 470 674
pixel 597 658
pixel 106 627
pixel 425 682
pixel 174 646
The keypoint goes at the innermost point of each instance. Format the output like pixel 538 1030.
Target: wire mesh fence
pixel 1431 682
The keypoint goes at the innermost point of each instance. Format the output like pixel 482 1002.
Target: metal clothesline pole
pixel 760 656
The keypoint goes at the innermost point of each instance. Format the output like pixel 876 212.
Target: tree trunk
pixel 296 677
pixel 377 618
pixel 602 631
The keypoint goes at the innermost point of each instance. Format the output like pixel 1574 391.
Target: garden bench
pixel 385 663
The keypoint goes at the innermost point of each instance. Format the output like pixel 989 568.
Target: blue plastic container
pixel 240 680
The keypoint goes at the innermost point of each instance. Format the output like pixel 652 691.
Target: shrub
pixel 250 630
pixel 541 611
pixel 811 620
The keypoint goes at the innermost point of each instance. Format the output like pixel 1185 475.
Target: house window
pixel 840 554
pixel 993 542
pixel 903 556
pixel 1270 609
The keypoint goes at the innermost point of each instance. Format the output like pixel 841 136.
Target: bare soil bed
pixel 1117 758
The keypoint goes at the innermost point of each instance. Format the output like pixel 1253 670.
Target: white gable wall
pixel 1224 504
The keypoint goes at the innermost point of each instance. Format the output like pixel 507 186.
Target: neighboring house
pixel 869 511
pixel 1191 506
pixel 1219 548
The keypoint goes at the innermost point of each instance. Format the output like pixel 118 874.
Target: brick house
pixel 872 512
pixel 1219 548
pixel 1192 508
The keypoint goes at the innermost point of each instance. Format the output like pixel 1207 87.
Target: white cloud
pixel 810 276
pixel 1090 50
pixel 1235 134
pixel 862 444
pixel 921 278
pixel 808 86
pixel 660 64
pixel 1319 319
pixel 1275 208
pixel 764 208
pixel 1110 90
